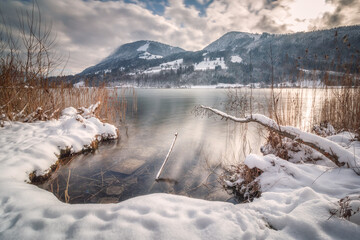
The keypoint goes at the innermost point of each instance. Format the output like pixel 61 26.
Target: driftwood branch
pixel 333 151
pixel 166 158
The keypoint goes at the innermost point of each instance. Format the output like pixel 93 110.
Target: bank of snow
pixel 296 200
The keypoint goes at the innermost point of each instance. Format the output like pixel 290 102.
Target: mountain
pixel 232 40
pixel 140 51
pixel 236 57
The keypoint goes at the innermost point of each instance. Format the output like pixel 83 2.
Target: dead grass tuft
pixel 242 182
pixel 347 208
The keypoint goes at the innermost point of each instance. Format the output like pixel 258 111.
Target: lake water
pixel 126 168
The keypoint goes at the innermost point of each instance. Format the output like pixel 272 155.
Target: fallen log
pixel 333 151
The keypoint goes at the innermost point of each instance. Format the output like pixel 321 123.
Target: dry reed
pixel 248 188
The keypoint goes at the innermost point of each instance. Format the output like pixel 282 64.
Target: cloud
pixel 90 30
pixel 347 12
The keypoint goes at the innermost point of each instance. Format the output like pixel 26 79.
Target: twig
pixel 67 197
pixel 166 158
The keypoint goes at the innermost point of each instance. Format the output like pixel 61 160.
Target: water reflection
pixel 126 168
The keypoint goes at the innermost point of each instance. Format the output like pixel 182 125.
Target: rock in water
pixel 128 166
pixel 108 200
pixel 114 190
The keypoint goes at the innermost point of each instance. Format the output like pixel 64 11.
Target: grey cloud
pixel 333 20
pixel 266 24
pixel 347 12
pixel 91 30
pixel 346 2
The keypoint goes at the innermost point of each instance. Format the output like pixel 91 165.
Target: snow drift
pixel 297 199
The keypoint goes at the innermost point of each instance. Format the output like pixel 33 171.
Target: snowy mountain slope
pixel 172 65
pixel 246 57
pixel 232 40
pixel 208 64
pixel 137 51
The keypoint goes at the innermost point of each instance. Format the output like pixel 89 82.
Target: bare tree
pixel 27 58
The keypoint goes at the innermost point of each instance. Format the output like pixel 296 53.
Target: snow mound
pixel 35 146
pixel 297 201
pixel 259 162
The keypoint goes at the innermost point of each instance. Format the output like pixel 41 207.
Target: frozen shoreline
pixel 295 203
pixel 285 85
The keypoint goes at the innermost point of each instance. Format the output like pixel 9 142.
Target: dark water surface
pixel 126 168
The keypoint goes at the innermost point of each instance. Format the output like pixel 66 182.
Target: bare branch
pixel 337 154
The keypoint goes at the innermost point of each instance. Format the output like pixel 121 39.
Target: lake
pixel 126 168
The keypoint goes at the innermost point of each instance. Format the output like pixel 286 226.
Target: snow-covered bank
pixel 295 203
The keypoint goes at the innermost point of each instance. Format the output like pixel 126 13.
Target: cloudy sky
pixel 89 30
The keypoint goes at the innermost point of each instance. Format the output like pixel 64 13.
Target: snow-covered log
pixel 336 153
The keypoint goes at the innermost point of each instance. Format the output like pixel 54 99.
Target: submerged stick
pixel 166 158
pixel 67 197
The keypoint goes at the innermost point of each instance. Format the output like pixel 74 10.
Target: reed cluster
pixel 28 60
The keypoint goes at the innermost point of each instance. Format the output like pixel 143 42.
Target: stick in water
pixel 167 156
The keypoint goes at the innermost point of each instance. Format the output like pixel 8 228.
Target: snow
pixel 79 84
pixel 236 59
pixel 146 55
pixel 253 161
pixel 208 64
pixel 173 65
pixel 144 47
pixel 254 85
pixel 306 83
pixel 219 85
pixel 296 201
pixel 149 56
pixel 320 72
pixel 152 70
pixel 342 155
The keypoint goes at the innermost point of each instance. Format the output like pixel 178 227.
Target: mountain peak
pixel 232 39
pixel 142 50
pixel 132 50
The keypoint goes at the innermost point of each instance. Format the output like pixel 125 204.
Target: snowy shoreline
pixel 296 200
pixel 286 85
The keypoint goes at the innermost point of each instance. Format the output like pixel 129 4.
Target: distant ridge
pixel 236 57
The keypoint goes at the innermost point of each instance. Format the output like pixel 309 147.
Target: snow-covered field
pixel 146 55
pixel 149 56
pixel 143 48
pixel 236 59
pixel 208 64
pixel 296 201
pixel 173 65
